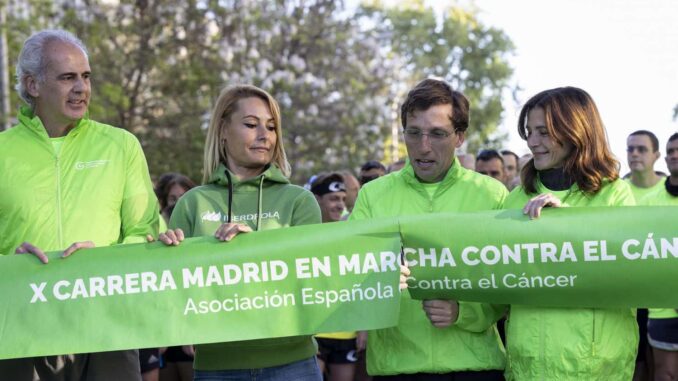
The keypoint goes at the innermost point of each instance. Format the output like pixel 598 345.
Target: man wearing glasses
pixel 642 151
pixel 446 339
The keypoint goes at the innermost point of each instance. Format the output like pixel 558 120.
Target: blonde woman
pixel 245 173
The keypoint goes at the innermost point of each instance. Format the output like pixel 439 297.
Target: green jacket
pixel 572 343
pixel 660 197
pixel 97 188
pixel 415 345
pixel 265 202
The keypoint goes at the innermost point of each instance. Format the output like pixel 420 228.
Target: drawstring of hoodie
pixel 230 195
pixel 259 198
pixel 261 188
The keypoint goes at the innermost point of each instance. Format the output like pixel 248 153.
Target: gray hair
pixel 32 60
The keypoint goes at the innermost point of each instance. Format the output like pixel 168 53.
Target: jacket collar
pixel 453 174
pixel 28 118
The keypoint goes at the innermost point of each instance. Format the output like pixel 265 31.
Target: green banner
pixel 570 257
pixel 296 281
pixel 333 277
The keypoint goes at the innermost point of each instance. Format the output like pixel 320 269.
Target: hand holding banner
pixel 333 277
pixel 570 257
pixel 287 282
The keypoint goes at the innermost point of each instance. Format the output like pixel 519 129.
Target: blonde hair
pixel 226 105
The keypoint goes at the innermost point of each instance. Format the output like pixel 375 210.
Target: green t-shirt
pixel 639 193
pixel 430 188
pixel 57 143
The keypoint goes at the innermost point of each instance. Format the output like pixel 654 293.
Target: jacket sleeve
pixel 478 317
pixel 306 210
pixel 139 213
pixel 501 198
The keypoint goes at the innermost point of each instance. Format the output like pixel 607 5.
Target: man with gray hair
pixel 69 183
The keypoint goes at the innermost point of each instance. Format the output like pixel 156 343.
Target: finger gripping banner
pixel 570 257
pixel 287 282
pixel 333 277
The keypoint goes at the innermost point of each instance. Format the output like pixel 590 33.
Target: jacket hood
pixel 271 174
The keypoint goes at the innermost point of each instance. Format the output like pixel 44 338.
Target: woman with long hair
pixel 245 174
pixel 169 188
pixel 572 165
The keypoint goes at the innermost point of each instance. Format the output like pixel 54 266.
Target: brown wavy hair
pixel 572 117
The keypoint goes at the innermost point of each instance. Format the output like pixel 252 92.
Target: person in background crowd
pixel 169 188
pixel 510 168
pixel 467 160
pixel 523 161
pixel 352 188
pixel 662 327
pixel 396 166
pixel 177 362
pixel 246 173
pixel 330 192
pixel 69 183
pixel 642 152
pixel 370 171
pixel 491 163
pixel 434 339
pixel 572 166
pixel 521 164
pixel 338 352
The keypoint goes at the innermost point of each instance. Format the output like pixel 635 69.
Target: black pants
pixel 484 375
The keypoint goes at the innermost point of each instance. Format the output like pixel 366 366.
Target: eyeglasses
pixel 415 134
pixel 641 149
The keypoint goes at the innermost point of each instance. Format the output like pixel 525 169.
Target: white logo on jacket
pixel 80 165
pixel 211 216
pixel 253 216
pixel 217 216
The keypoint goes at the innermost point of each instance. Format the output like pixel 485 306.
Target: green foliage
pixel 159 65
pixel 457 48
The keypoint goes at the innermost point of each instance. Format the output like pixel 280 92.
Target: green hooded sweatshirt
pixel 415 345
pixel 545 343
pixel 264 202
pixel 96 189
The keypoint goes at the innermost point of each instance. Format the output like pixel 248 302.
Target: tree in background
pixel 338 74
pixel 453 46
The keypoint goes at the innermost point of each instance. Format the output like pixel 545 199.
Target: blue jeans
pixel 304 370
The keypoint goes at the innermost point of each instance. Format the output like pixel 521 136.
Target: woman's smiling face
pixel 546 151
